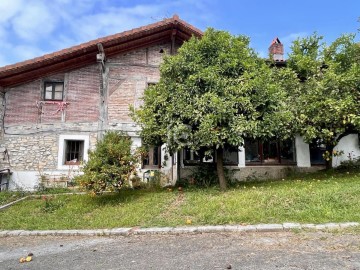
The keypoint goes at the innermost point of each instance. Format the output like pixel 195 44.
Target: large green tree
pixel 215 91
pixel 327 95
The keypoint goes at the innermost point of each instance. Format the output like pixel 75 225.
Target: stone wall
pixel 30 142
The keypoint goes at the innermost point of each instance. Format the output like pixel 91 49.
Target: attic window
pixel 53 90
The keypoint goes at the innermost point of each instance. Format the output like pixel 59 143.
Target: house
pixel 57 106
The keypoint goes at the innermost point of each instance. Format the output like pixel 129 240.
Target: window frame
pixel 62 150
pixel 53 90
pixel 73 153
pixel 150 155
pixel 278 160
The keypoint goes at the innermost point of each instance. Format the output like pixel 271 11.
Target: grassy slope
pixel 317 198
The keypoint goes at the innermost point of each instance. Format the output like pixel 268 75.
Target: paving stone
pixel 120 231
pixel 308 226
pixel 154 230
pixel 15 232
pixel 269 227
pixel 106 232
pixel 247 228
pixel 290 226
pixel 47 232
pixel 320 227
pixel 25 233
pixel 87 232
pixel 231 228
pixel 206 229
pixel 332 226
pixel 68 232
pixel 184 230
pixel 349 224
pixel 3 233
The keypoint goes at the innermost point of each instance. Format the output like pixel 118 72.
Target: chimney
pixel 276 50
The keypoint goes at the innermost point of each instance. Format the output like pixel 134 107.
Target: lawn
pixel 7 197
pixel 316 198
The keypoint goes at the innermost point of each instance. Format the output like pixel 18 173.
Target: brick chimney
pixel 276 50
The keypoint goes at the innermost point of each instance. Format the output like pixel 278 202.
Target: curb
pixel 182 230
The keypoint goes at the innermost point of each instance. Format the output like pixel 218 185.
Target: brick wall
pixel 81 90
pixel 83 94
pixel 20 103
pixel 128 77
pixel 31 135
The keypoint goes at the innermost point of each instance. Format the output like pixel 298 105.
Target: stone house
pixel 55 108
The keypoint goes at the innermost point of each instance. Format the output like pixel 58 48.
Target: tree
pixel 110 165
pixel 327 96
pixel 215 92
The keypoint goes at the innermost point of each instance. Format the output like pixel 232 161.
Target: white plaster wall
pixel 350 145
pixel 24 180
pixel 241 156
pixel 302 152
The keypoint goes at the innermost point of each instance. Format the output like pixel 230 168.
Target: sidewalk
pixel 183 230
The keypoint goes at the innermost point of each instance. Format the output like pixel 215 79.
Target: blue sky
pixel 30 28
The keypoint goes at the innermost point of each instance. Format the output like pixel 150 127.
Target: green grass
pixel 316 198
pixel 7 197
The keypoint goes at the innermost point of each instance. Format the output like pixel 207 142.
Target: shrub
pixel 352 164
pixel 205 176
pixel 110 165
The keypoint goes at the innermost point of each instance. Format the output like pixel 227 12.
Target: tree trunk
pixel 220 168
pixel 328 163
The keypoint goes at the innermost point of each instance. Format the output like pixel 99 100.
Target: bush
pixel 110 165
pixel 205 175
pixel 350 165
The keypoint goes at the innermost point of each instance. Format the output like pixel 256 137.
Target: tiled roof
pixel 80 54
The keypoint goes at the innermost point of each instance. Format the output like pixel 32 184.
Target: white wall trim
pixel 61 153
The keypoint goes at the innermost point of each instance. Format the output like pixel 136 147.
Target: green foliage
pixel 215 91
pixel 326 94
pixel 110 165
pixel 351 165
pixel 51 204
pixel 205 176
pixel 310 198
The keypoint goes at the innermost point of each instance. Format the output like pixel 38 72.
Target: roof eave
pixel 84 54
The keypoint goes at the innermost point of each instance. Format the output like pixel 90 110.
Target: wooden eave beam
pixel 79 61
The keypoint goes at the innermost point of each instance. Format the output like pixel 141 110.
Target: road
pixel 281 250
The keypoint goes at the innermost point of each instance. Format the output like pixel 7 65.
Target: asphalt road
pixel 283 250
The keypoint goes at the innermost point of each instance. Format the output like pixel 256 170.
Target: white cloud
pixel 27 51
pixel 34 21
pixel 287 40
pixel 8 9
pixel 31 28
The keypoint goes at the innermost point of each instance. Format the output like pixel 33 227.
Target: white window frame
pixel 62 146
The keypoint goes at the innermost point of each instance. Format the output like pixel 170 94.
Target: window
pixel 231 155
pixel 190 157
pixel 74 152
pixel 73 149
pixel 53 90
pixel 153 157
pixel 270 152
pixel 317 149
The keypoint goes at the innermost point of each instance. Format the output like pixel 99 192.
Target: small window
pixel 231 155
pixel 53 90
pixel 153 157
pixel 190 156
pixel 74 152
